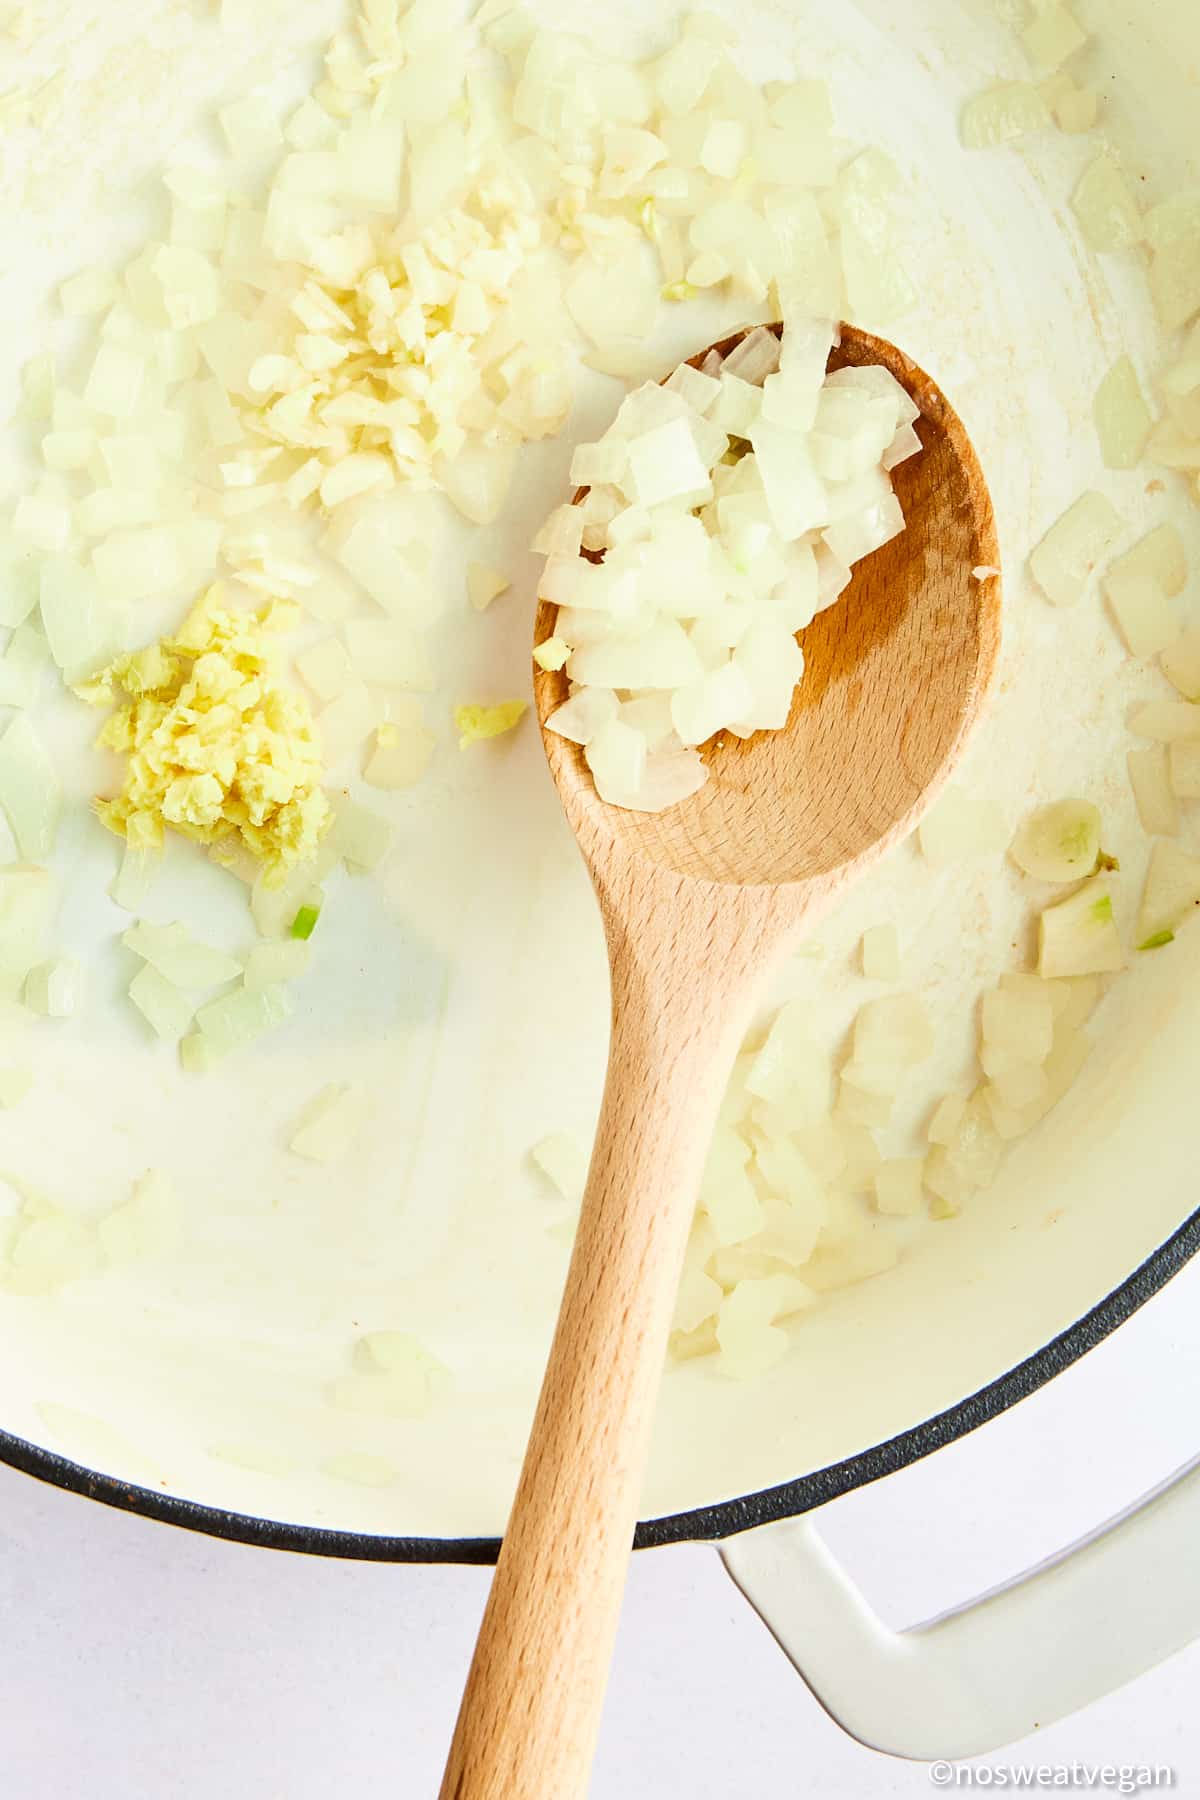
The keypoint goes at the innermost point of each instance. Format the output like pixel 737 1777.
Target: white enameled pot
pixel 464 987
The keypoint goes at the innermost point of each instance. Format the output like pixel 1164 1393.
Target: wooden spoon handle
pixel 531 1711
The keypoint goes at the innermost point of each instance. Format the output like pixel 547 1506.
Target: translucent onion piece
pixel 359 836
pixel 1181 664
pixel 1052 36
pixel 237 1019
pixel 1172 891
pixel 1182 763
pixel 563 1159
pixel 1123 419
pixel 1167 722
pixel 900 1187
pixel 1071 549
pixel 1105 207
pixel 1155 789
pixel 30 790
pixel 81 628
pixel 1003 115
pixel 1144 615
pixel 1160 556
pixel 179 957
pixel 1060 842
pixel 55 989
pixel 485 585
pixel 167 1009
pixel 1079 936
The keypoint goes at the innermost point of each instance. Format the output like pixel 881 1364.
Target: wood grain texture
pixel 698 902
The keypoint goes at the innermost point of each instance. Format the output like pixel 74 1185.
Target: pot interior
pixel 465 989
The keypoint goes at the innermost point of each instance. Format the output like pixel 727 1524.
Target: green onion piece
pixel 305 922
pixel 1159 941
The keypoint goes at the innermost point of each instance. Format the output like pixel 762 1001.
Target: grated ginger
pixel 476 724
pixel 219 749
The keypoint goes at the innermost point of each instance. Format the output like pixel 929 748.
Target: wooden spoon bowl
pixel 896 673
pixel 698 902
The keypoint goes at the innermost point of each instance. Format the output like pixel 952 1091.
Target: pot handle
pixel 1059 1637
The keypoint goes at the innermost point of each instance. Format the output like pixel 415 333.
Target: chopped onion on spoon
pixel 710 552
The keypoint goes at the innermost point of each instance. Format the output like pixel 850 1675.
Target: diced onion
pixel 166 1008
pixel 19 577
pixel 399 757
pixel 1183 773
pixel 1060 842
pixel 947 1118
pixel 1167 721
pixel 1123 419
pixel 1003 115
pixel 30 790
pixel 274 963
pixel 25 660
pixel 1160 557
pixel 1172 891
pixel 55 989
pixel 179 958
pixel 238 1018
pixel 900 1186
pixel 1156 789
pixel 139 871
pixel 359 836
pixel 1079 936
pixel 1181 664
pixel 1073 547
pixel 80 627
pixel 485 585
pixel 1146 619
pixel 563 1159
pixel 1053 35
pixel 1105 207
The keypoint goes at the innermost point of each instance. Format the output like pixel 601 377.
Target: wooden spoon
pixel 699 903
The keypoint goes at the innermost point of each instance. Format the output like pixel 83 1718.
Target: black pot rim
pixel 703 1525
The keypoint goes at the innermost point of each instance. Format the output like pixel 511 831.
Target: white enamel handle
pixel 1057 1638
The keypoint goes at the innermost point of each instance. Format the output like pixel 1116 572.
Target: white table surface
pixel 139 1662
